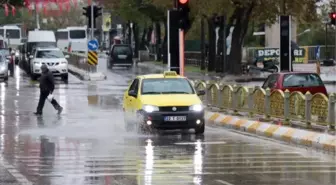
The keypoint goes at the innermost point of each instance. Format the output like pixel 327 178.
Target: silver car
pixel 4 67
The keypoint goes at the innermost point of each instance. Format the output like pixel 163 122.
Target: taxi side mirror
pixel 200 93
pixel 132 93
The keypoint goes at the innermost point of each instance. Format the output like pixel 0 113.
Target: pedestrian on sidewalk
pixel 11 62
pixel 47 86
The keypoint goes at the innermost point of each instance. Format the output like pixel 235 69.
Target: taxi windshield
pixel 166 86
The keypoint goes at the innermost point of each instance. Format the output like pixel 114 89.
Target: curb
pixel 79 75
pixel 84 75
pixel 319 141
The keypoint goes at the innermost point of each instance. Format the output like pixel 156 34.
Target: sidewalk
pixel 289 135
pixel 328 78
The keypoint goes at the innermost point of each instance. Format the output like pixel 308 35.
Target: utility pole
pixel 37 17
pixel 92 20
pixel 335 31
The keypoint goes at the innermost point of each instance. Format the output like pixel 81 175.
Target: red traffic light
pixel 185 1
pixel 332 15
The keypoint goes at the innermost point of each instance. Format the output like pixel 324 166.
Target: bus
pixel 12 34
pixel 76 37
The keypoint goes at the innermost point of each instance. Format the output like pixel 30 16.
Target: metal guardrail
pixel 317 109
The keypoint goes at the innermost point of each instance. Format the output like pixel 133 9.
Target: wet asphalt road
pixel 87 144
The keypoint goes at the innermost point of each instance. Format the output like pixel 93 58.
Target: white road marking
pixel 16 174
pixel 134 157
pixel 224 182
pixel 205 143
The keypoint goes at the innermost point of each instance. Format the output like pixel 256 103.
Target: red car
pixel 296 81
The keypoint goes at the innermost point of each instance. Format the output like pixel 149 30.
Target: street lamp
pixel 306 31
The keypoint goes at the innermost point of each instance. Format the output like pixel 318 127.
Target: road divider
pixel 79 66
pixel 295 136
pixel 84 75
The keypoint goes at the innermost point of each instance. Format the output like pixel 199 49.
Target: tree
pixel 16 3
pixel 64 19
pixel 240 13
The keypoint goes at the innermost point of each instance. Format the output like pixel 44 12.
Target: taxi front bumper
pixel 158 120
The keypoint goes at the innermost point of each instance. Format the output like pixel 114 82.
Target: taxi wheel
pixel 200 129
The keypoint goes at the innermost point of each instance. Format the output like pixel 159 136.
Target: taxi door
pixel 132 97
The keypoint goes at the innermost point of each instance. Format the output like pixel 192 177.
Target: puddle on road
pixel 109 128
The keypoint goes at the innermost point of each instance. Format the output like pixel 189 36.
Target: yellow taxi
pixel 165 101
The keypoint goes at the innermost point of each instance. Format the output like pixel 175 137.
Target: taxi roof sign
pixel 170 73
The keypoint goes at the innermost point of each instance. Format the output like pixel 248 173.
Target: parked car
pixel 271 66
pixel 296 81
pixel 3 67
pixel 120 55
pixel 53 58
pixel 5 52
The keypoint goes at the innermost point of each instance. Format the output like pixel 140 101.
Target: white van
pixel 41 39
pixel 12 34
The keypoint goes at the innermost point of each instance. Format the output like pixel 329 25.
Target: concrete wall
pixel 272 34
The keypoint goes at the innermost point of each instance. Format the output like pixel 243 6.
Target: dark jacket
pixel 47 82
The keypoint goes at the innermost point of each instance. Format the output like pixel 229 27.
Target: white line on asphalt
pixel 223 182
pixel 65 156
pixel 186 158
pixel 205 143
pixel 16 174
pixel 175 175
pixel 110 163
pixel 185 168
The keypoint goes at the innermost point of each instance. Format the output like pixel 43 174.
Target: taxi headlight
pixel 196 108
pixel 150 108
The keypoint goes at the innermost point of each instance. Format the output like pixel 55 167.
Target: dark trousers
pixel 11 68
pixel 43 96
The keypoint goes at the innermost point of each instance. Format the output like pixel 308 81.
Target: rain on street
pixel 88 144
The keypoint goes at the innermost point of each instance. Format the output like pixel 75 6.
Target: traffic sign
pixel 93 45
pixel 93 58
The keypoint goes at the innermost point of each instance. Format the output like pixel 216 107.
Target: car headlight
pixel 2 68
pixel 37 63
pixel 64 62
pixel 196 108
pixel 150 108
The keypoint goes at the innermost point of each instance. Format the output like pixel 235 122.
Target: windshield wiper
pixel 151 92
pixel 296 86
pixel 175 92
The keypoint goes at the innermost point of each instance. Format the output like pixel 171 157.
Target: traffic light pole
pixel 168 40
pixel 181 44
pixel 92 21
pixel 92 29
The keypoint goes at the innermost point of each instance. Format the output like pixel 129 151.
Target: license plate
pixel 175 118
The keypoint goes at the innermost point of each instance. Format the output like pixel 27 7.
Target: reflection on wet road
pixel 87 144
